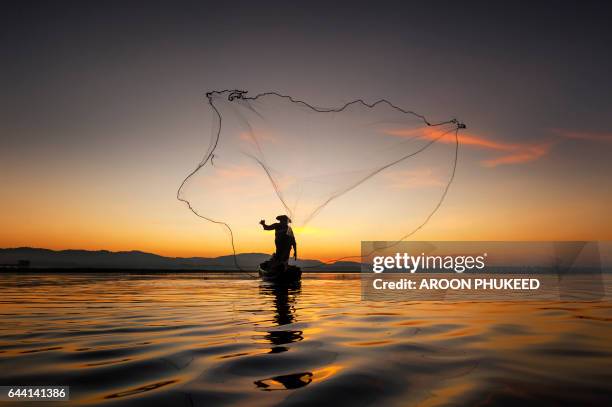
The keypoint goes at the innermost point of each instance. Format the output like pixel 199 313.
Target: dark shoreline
pixel 143 271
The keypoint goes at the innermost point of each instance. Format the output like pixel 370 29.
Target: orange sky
pixel 104 114
pixel 503 191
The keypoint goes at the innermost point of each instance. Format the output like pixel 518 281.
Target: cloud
pixel 522 155
pixel 254 139
pixel 583 135
pixel 515 153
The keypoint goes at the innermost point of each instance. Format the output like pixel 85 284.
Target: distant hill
pixel 104 259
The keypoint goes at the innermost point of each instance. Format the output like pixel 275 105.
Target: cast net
pixel 356 172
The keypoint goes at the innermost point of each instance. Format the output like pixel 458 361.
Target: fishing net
pixel 356 172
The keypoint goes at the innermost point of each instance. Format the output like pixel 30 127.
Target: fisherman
pixel 284 238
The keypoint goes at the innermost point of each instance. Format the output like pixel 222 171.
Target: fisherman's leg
pixel 279 249
pixel 283 251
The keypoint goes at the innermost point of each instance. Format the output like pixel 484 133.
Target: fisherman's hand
pixel 262 222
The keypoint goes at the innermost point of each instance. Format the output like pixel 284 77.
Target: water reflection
pixel 285 382
pixel 284 298
pixel 186 340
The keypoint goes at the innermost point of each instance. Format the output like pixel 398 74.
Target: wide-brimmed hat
pixel 283 217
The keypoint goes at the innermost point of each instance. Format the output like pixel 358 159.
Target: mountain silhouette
pixel 104 259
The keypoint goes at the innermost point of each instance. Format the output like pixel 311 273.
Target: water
pixel 187 340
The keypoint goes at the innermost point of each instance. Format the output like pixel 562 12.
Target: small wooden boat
pixel 279 272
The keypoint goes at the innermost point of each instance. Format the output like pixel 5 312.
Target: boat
pixel 279 272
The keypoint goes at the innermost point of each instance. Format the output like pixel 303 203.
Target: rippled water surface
pixel 189 340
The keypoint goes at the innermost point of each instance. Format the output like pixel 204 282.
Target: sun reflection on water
pixel 199 340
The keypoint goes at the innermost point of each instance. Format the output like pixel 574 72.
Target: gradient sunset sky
pixel 104 114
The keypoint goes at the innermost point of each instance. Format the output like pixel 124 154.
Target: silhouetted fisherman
pixel 283 239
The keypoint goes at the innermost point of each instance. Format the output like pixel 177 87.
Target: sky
pixel 104 113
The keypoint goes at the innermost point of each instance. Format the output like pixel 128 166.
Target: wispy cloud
pixel 523 154
pixel 584 135
pixel 514 153
pixel 252 138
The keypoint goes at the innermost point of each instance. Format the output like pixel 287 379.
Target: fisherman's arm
pixel 268 227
